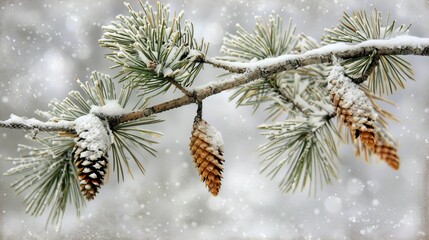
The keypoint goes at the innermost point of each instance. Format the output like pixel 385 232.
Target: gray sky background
pixel 45 44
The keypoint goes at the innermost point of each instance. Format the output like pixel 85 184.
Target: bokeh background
pixel 45 45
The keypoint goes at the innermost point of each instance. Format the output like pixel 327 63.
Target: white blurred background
pixel 45 44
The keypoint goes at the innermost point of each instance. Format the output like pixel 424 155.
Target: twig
pixel 224 65
pixel 199 111
pixel 201 92
pixel 178 86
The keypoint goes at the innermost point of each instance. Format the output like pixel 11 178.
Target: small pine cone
pixel 207 153
pixel 90 154
pixel 352 106
pixel 385 149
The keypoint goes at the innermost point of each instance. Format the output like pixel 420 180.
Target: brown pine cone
pixel 90 154
pixel 385 148
pixel 352 106
pixel 207 153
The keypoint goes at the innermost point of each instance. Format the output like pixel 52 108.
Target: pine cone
pixel 352 106
pixel 90 154
pixel 207 153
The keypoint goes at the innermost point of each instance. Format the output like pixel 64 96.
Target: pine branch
pixel 155 52
pixel 404 45
pixel 226 65
pixel 360 26
pixel 16 122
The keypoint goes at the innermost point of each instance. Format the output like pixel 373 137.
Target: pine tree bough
pixel 264 68
pixel 16 122
pixel 155 52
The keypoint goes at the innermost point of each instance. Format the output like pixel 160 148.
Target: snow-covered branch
pixel 403 45
pixel 34 124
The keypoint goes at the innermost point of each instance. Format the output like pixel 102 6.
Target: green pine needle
pixel 267 40
pixel 391 71
pixel 129 139
pixel 50 173
pixel 126 136
pixel 150 47
pixel 300 153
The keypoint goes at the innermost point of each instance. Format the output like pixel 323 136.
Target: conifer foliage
pixel 69 167
pixel 151 48
pixel 304 87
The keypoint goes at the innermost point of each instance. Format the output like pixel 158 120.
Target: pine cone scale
pixel 357 112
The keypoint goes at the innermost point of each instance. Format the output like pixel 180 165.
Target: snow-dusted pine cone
pixel 352 106
pixel 90 154
pixel 207 152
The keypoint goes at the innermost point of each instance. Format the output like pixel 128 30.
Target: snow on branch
pixel 34 124
pixel 402 45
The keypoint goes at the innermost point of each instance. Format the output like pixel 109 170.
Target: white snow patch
pixel 32 122
pixel 214 136
pixel 95 135
pixel 194 54
pixel 167 72
pixel 111 108
pixel 217 83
